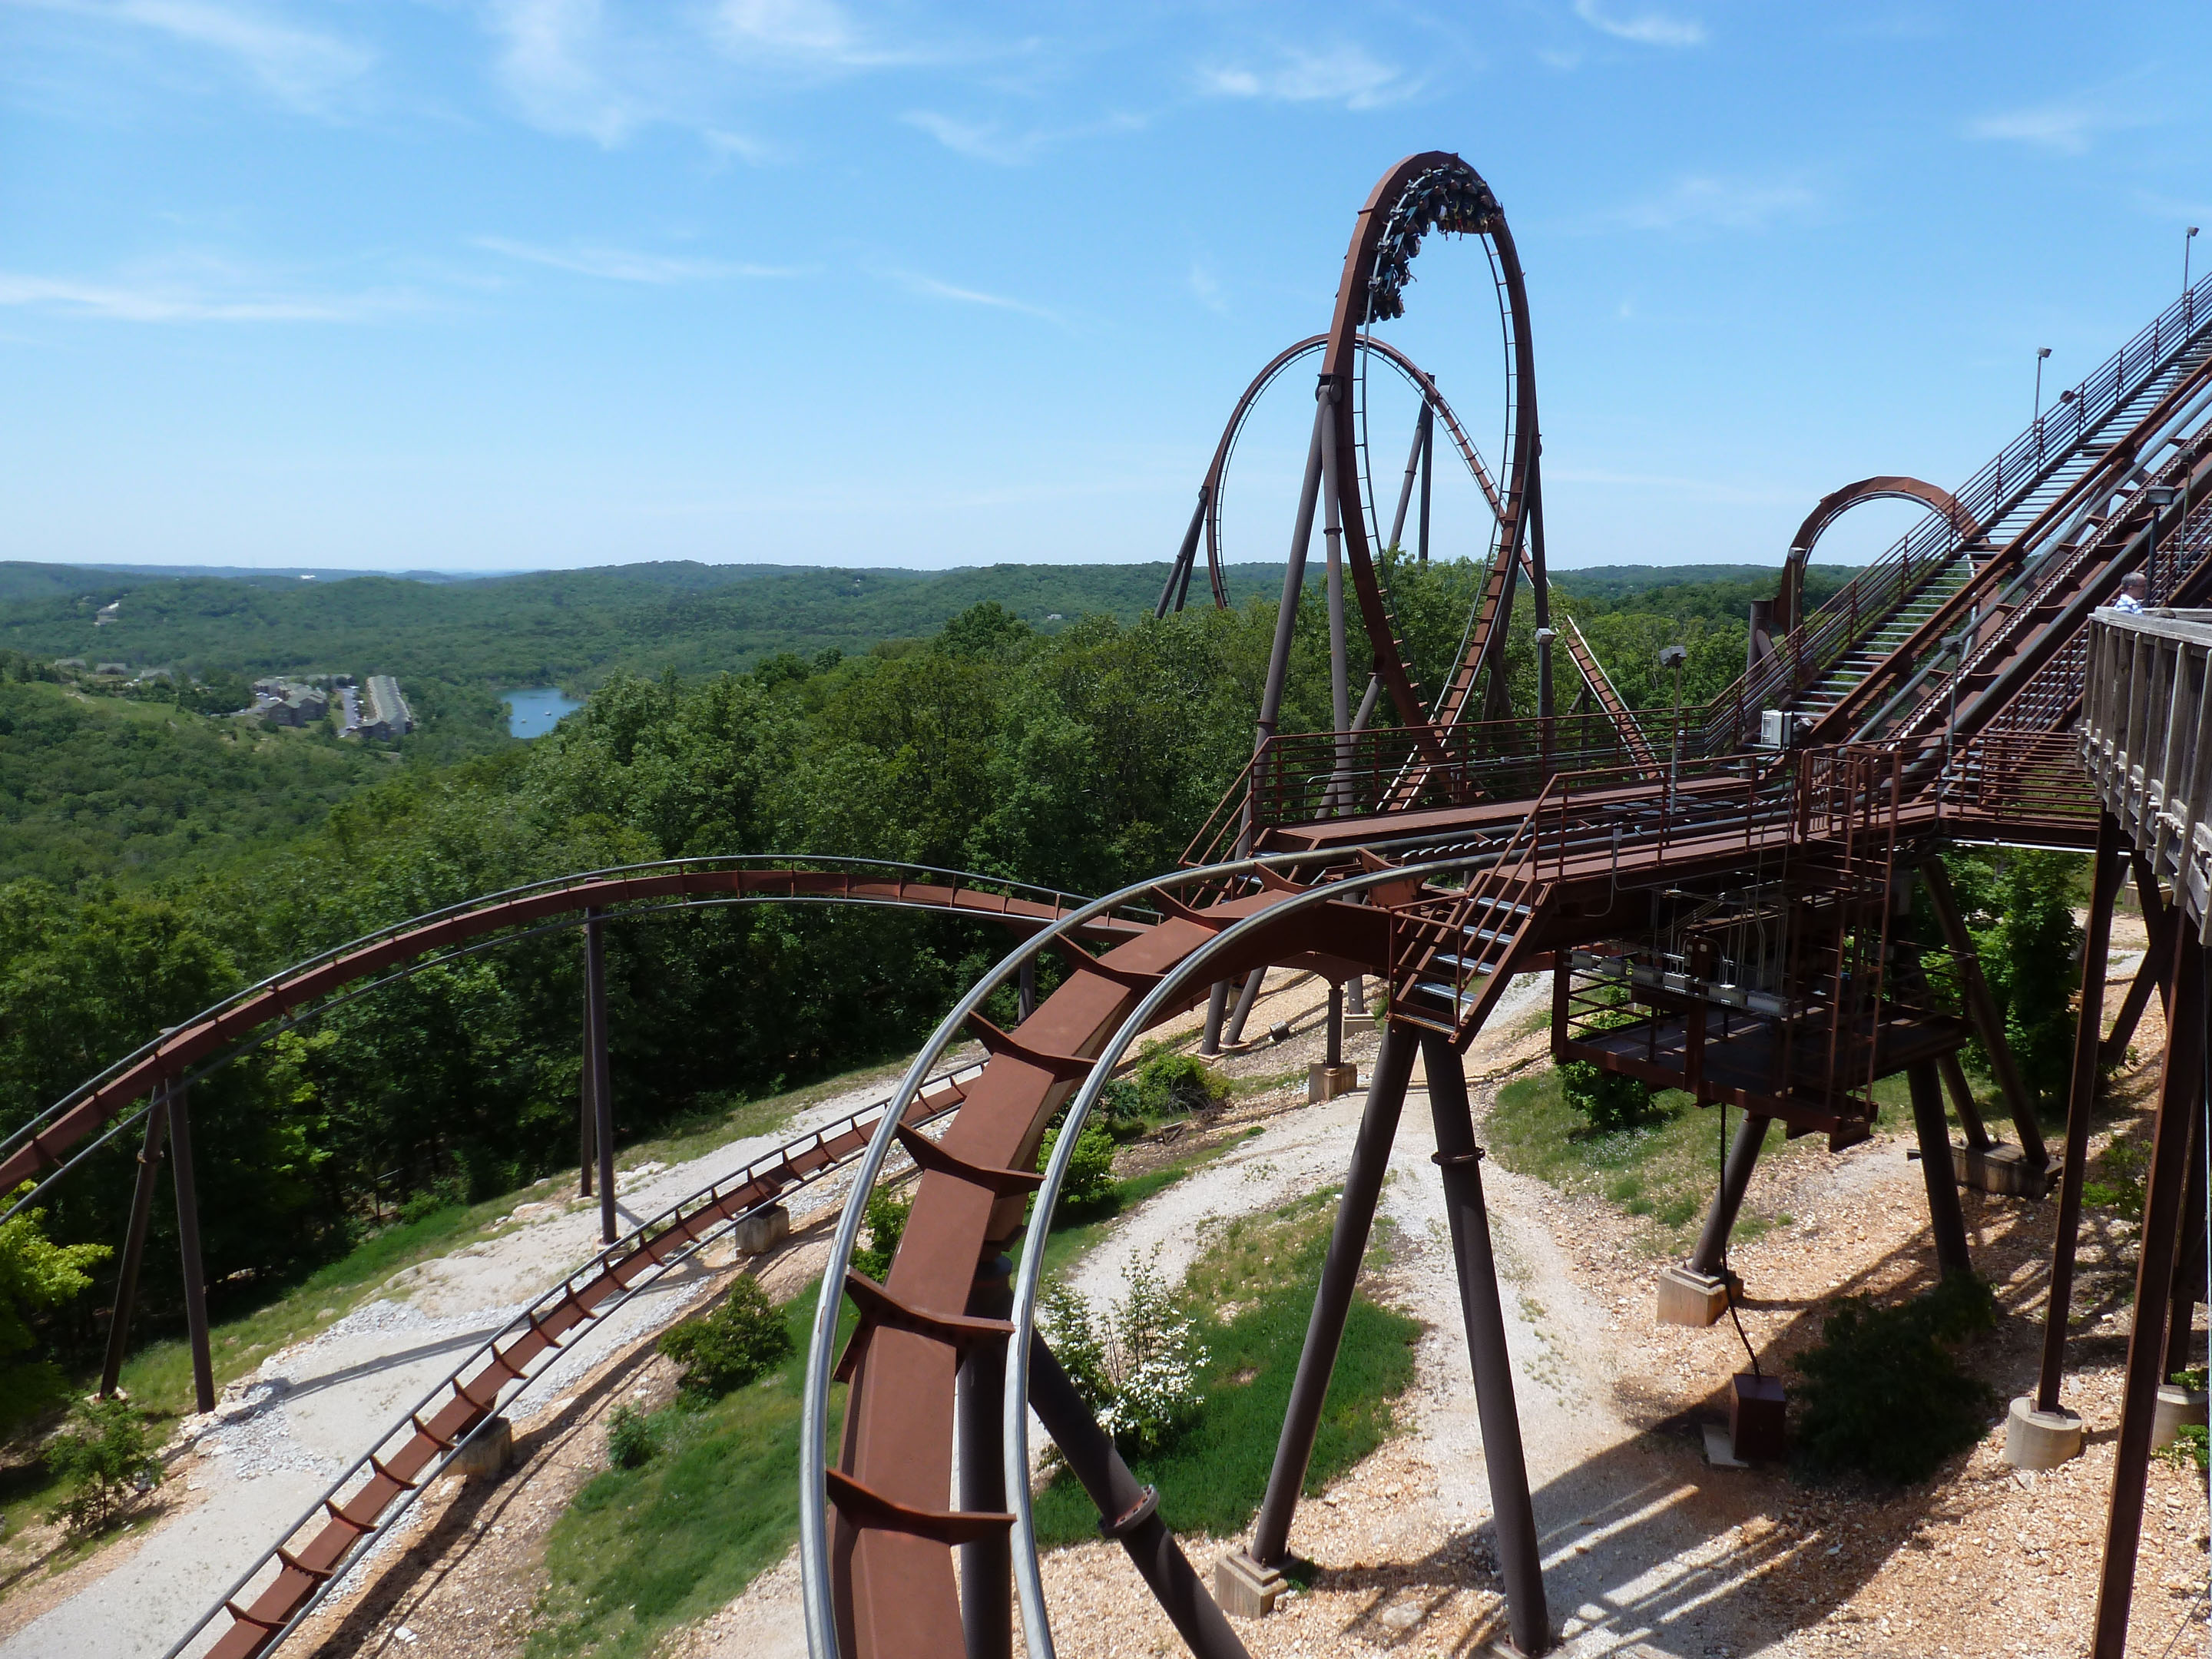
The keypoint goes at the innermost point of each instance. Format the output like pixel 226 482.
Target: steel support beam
pixel 2158 917
pixel 1945 1218
pixel 2181 1099
pixel 1982 1010
pixel 1962 1100
pixel 133 1240
pixel 2105 872
pixel 1128 1512
pixel 1334 1055
pixel 2188 1262
pixel 1347 1245
pixel 986 1565
pixel 1520 1560
pixel 188 1247
pixel 1245 999
pixel 1735 1179
pixel 1217 1008
pixel 598 1089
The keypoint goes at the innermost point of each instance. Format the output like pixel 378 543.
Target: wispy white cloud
pixel 1700 202
pixel 1206 286
pixel 979 141
pixel 560 63
pixel 1344 74
pixel 1646 27
pixel 931 288
pixel 155 300
pixel 818 34
pixel 617 264
pixel 2068 126
pixel 305 68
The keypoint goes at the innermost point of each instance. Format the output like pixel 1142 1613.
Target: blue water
pixel 534 710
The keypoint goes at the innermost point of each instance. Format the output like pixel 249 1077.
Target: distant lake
pixel 534 710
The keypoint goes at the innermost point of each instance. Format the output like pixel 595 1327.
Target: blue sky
pixel 485 284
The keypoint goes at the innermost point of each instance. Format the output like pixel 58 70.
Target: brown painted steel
pixel 2181 1099
pixel 1355 298
pixel 1789 600
pixel 2106 874
pixel 290 993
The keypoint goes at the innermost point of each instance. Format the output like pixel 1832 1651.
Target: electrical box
pixel 1757 1408
pixel 1782 728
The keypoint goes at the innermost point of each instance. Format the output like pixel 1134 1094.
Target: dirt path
pixel 280 1434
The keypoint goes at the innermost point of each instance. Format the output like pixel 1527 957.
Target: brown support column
pixel 2158 919
pixel 134 1240
pixel 987 1566
pixel 188 1246
pixel 1335 1048
pixel 1944 1215
pixel 1962 1100
pixel 1982 1009
pixel 2080 1103
pixel 1520 1561
pixel 1217 1010
pixel 2180 1097
pixel 1245 999
pixel 1355 1216
pixel 1127 1512
pixel 600 1088
pixel 1728 1201
pixel 2188 1260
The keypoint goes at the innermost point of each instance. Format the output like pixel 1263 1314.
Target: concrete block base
pixel 1327 1082
pixel 762 1230
pixel 1246 1590
pixel 489 1455
pixel 1690 1298
pixel 2040 1440
pixel 2176 1406
pixel 1998 1169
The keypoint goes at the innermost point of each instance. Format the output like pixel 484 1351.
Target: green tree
pixel 38 1277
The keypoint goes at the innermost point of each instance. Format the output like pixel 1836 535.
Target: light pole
pixel 2187 237
pixel 2041 352
pixel 1674 656
pixel 2160 496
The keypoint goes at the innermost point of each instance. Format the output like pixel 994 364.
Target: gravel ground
pixel 1647 1551
pixel 280 1435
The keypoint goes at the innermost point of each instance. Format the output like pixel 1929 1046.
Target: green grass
pixel 1211 1479
pixel 643 1550
pixel 1664 1171
pixel 1077 1229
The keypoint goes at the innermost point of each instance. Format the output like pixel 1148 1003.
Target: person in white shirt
pixel 2134 587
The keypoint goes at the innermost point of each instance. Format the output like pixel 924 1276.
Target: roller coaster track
pixel 2002 502
pixel 335 1532
pixel 207 1039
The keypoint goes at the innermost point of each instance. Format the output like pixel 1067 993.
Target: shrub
pixel 446 1195
pixel 885 1215
pixel 1883 1395
pixel 732 1346
pixel 1136 1365
pixel 2190 1445
pixel 1611 1100
pixel 106 1458
pixel 630 1436
pixel 1165 1085
pixel 1089 1169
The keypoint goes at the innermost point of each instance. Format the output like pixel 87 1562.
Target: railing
pixel 1985 500
pixel 2146 740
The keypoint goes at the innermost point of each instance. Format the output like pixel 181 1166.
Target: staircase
pixel 1451 957
pixel 1871 649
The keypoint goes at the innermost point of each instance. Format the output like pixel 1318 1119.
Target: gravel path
pixel 280 1434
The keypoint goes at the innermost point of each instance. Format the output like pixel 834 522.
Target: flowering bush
pixel 1137 1364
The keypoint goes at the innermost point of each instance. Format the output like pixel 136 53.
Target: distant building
pixel 280 702
pixel 388 715
pixel 70 662
pixel 107 614
pixel 111 668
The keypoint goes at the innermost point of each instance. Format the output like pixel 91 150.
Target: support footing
pixel 490 1454
pixel 1689 1297
pixel 1244 1588
pixel 1998 1168
pixel 2176 1407
pixel 1325 1082
pixel 2040 1440
pixel 762 1230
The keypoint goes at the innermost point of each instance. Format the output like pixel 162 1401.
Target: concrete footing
pixel 1690 1298
pixel 2040 1440
pixel 490 1454
pixel 1246 1590
pixel 762 1230
pixel 1998 1169
pixel 1327 1081
pixel 2176 1407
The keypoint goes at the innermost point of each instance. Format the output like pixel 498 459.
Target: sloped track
pixel 338 1529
